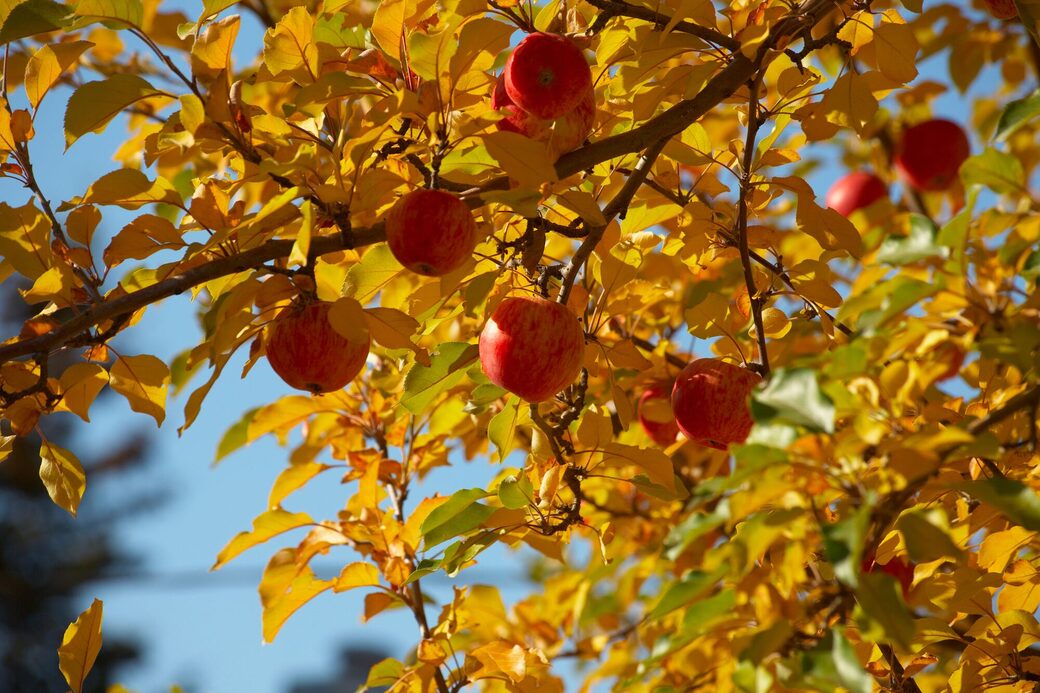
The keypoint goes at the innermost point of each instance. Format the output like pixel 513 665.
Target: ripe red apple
pixel 1002 9
pixel 902 571
pixel 931 153
pixel 308 353
pixel 547 75
pixel 857 190
pixel 564 134
pixel 655 414
pixel 532 347
pixel 710 402
pixel 516 119
pixel 431 232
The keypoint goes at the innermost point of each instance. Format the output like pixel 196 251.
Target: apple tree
pixel 763 435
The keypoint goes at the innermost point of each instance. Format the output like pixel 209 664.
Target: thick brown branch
pixel 199 274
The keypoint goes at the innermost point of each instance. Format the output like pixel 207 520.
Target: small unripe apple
pixel 431 232
pixel 547 75
pixel 1002 9
pixel 855 191
pixel 306 351
pixel 710 401
pixel 931 153
pixel 532 347
pixel 655 414
pixel 902 571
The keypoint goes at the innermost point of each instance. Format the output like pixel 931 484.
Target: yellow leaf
pixel 653 461
pixel 394 329
pixel 80 385
pixel 129 12
pixel 145 235
pixel 211 53
pixel 896 48
pixel 348 318
pixel 357 574
pixel 284 588
pixel 45 67
pixel 999 548
pixel 80 646
pixel 24 239
pixel 501 657
pixel 624 354
pixel 143 380
pixel 63 476
pixel 702 318
pixel 858 31
pixel 520 157
pixel 266 526
pixel 388 24
pixel 6 446
pixel 292 478
pixel 130 189
pixel 94 104
pixel 376 269
pixel 290 45
pixel 849 101
pixel 775 323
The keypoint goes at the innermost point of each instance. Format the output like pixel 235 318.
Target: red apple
pixel 564 134
pixel 855 191
pixel 572 128
pixel 710 401
pixel 532 347
pixel 655 414
pixel 431 232
pixel 308 353
pixel 931 153
pixel 547 75
pixel 1002 9
pixel 516 119
pixel 902 571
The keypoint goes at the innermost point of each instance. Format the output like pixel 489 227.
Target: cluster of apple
pixel 545 93
pixel 928 158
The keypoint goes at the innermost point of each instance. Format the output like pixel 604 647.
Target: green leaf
pixel 877 595
pixel 833 664
pixel 515 491
pixel 692 528
pixel 1000 172
pixel 843 545
pixel 124 12
pixel 918 244
pixel 1016 114
pixel 376 269
pixel 424 383
pixel 94 104
pixel 795 397
pixel 1020 503
pixel 925 540
pixel 684 591
pixel 460 514
pixel 502 428
pixel 236 436
pixel 34 17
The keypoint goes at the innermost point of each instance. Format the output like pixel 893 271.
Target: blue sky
pixel 203 629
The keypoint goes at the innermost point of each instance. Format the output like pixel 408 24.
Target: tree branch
pixel 742 223
pixel 616 8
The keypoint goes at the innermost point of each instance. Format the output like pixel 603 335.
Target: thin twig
pixel 742 223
